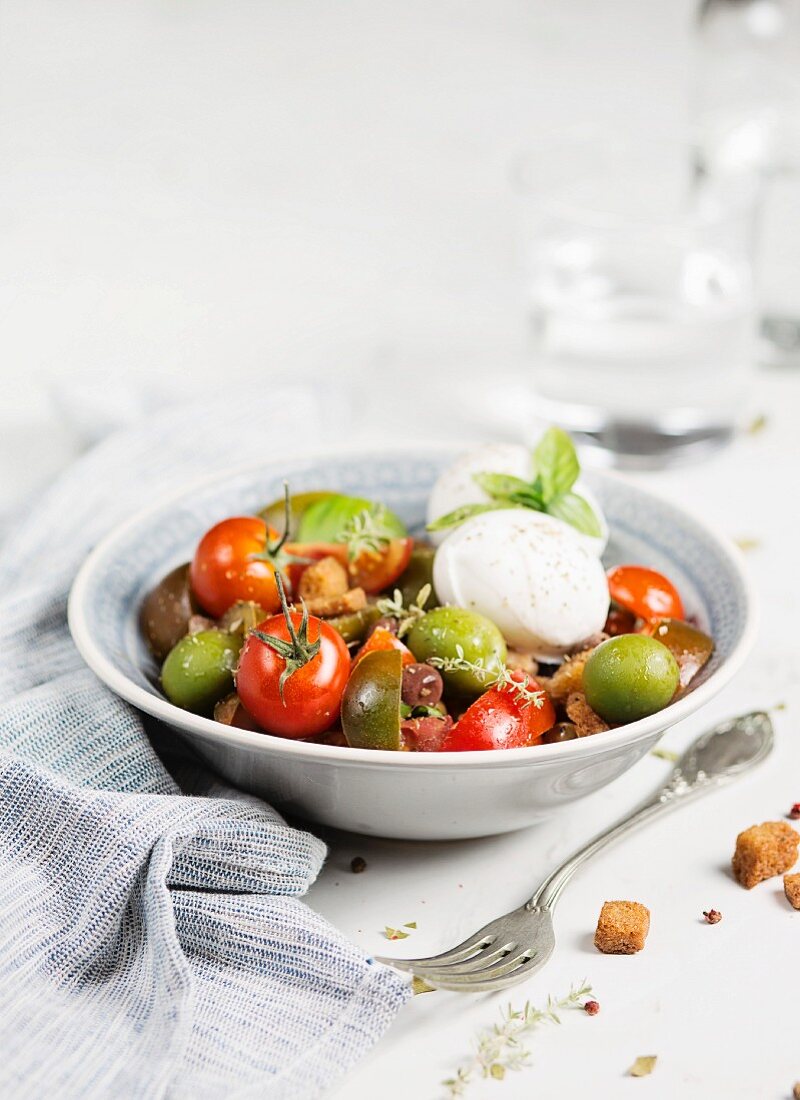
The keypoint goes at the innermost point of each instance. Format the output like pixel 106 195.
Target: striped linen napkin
pixel 152 942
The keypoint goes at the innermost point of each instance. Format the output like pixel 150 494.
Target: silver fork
pixel 511 948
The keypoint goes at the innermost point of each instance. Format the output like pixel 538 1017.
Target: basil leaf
pixel 528 498
pixel 556 463
pixel 575 510
pixel 466 511
pixel 500 485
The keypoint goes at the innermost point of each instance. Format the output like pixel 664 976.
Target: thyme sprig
pixel 505 679
pixel 392 606
pixel 504 1046
pixel 367 531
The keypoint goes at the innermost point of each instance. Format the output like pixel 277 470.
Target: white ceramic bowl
pixel 425 796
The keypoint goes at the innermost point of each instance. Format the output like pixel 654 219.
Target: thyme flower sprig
pixel 392 607
pixel 366 531
pixel 505 679
pixel 504 1046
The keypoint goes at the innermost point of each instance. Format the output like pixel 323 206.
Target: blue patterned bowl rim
pixel 103 620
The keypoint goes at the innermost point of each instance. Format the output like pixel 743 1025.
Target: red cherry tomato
pixel 230 564
pixel 646 593
pixel 498 719
pixel 309 701
pixel 382 639
pixel 375 570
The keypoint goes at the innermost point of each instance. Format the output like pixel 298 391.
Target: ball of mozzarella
pixel 456 486
pixel 532 575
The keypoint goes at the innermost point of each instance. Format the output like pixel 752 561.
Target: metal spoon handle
pixel 717 757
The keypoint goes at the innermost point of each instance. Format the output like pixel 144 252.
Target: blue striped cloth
pixel 152 941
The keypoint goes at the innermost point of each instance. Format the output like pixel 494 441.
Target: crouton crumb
pixel 622 927
pixel 326 606
pixel 581 714
pixel 323 580
pixel 763 851
pixel 791 887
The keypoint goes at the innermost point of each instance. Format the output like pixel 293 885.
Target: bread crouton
pixel 622 927
pixel 325 607
pixel 322 580
pixel 586 721
pixel 568 677
pixel 763 851
pixel 791 887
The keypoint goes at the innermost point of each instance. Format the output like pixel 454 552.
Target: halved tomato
pixel 502 719
pixel 382 640
pixel 376 570
pixel 645 592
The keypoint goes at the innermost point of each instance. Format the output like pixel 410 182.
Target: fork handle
pixel 550 891
pixel 716 757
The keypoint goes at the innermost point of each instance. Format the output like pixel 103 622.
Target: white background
pixel 198 193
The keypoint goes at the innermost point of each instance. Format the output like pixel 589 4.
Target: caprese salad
pixel 320 618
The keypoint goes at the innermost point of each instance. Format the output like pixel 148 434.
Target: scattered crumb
pixel 394 933
pixel 791 887
pixel 358 864
pixel 763 851
pixel 796 1091
pixel 622 928
pixel 713 916
pixel 757 424
pixel 794 813
pixel 643 1065
pixel 592 1008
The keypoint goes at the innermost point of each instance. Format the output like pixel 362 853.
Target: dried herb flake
pixel 643 1066
pixel 395 933
pixel 666 754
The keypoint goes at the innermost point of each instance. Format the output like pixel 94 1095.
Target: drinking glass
pixel 641 299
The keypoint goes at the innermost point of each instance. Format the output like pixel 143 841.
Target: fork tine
pixel 493 979
pixel 489 968
pixel 464 950
pixel 489 956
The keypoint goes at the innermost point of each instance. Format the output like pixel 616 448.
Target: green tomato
pixel 629 677
pixel 416 575
pixel 275 513
pixel 353 625
pixel 371 701
pixel 198 671
pixel 325 520
pixel 439 634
